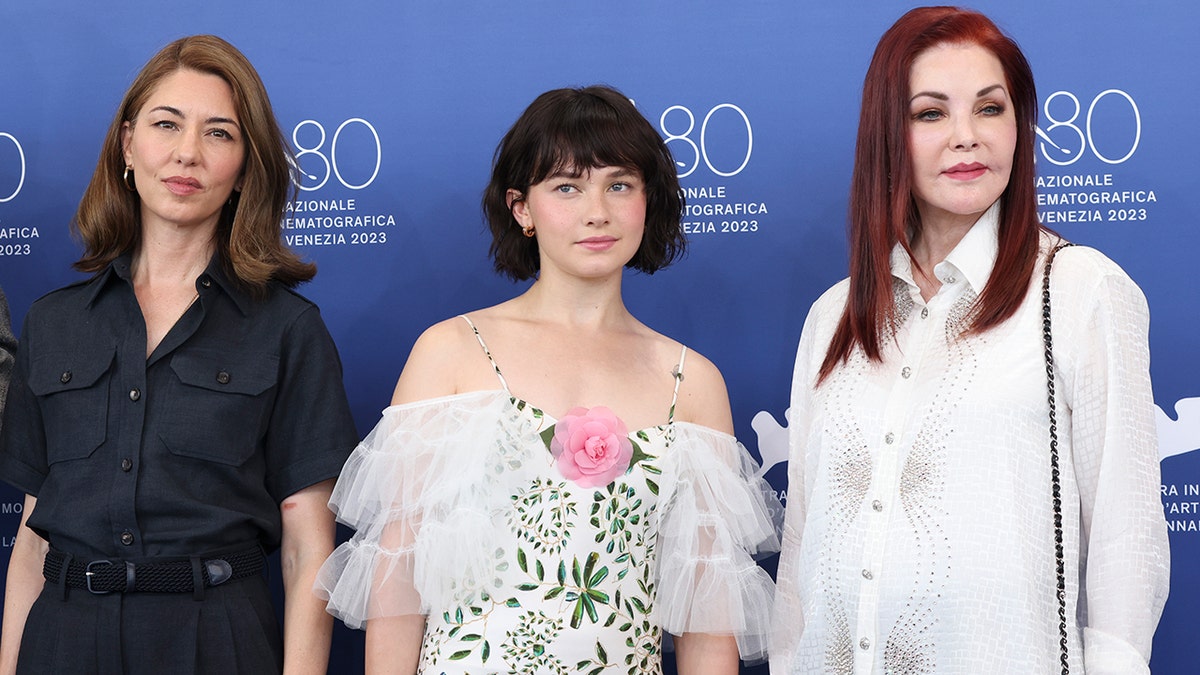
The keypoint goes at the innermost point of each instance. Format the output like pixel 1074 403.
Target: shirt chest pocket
pixel 72 390
pixel 220 404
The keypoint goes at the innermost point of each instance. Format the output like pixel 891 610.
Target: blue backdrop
pixel 394 110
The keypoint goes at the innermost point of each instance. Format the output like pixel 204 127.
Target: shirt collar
pixel 117 269
pixel 973 257
pixel 213 275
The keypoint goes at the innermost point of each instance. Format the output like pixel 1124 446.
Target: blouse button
pixel 127 538
pixel 950 280
pixel 223 377
pixel 65 377
pixel 889 438
pixel 126 464
pixel 877 505
pixel 205 282
pixel 135 394
pixel 864 644
pixel 924 312
pixel 906 372
pixel 867 575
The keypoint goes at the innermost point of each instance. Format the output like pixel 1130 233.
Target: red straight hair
pixel 883 211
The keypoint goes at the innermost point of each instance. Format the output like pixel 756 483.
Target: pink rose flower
pixel 591 446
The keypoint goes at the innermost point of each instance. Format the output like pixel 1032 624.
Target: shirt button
pixel 906 372
pixel 223 377
pixel 135 394
pixel 950 280
pixel 65 377
pixel 867 575
pixel 205 282
pixel 877 505
pixel 126 464
pixel 924 312
pixel 864 644
pixel 127 538
pixel 889 438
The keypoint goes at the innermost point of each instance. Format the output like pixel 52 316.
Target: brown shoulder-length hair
pixel 249 239
pixel 882 209
pixel 577 130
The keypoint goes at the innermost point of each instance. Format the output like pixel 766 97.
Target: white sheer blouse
pixel 919 533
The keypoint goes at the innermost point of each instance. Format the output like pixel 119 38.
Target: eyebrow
pixel 622 171
pixel 179 113
pixel 942 97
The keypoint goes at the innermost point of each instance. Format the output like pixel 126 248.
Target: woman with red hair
pixel 939 497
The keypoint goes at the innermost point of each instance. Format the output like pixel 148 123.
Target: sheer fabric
pixel 461 515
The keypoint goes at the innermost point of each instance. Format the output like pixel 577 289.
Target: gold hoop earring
pixel 529 231
pixel 129 185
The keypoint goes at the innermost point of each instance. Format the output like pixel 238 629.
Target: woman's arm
pixel 719 543
pixel 1115 455
pixel 308 533
pixel 23 585
pixel 701 654
pixel 394 644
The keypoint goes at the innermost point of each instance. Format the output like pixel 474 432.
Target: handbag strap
pixel 1055 477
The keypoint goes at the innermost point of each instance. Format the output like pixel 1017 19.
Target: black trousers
pixel 232 630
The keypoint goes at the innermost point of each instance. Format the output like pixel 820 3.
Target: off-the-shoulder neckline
pixel 502 394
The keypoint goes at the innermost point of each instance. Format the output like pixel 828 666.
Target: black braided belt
pixel 172 576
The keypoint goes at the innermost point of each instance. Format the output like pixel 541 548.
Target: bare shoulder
pixel 703 398
pixel 432 367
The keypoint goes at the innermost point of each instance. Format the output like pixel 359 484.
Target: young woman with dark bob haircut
pixel 922 518
pixel 180 414
pixel 596 127
pixel 554 498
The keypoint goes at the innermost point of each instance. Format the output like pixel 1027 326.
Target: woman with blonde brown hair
pixel 179 414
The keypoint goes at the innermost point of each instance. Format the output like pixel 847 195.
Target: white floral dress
pixel 462 513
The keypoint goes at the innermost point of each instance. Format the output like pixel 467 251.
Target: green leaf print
pixel 548 435
pixel 577 615
pixel 638 454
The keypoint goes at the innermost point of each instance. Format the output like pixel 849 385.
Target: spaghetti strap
pixel 495 367
pixel 677 372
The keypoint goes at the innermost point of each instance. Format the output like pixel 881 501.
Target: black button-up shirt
pixel 187 451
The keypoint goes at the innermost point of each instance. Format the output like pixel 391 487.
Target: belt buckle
pixel 87 576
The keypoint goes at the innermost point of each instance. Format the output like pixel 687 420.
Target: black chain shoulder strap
pixel 1055 477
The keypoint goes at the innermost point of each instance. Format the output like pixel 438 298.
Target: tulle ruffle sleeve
pixel 420 493
pixel 718 515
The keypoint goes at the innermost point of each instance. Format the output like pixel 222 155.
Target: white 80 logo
pixel 331 161
pixel 700 152
pixel 1063 155
pixel 21 154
